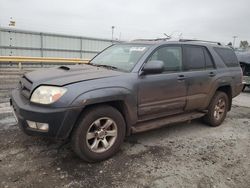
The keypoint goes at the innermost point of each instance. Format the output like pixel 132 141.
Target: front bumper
pixel 60 120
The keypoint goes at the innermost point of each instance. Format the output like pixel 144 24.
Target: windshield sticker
pixel 139 49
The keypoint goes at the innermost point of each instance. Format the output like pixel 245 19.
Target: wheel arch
pixel 119 98
pixel 228 90
pixel 119 105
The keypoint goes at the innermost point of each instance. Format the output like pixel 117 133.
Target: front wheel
pixel 217 109
pixel 99 133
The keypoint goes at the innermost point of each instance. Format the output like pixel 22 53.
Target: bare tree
pixel 244 44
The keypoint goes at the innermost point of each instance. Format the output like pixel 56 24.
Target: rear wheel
pixel 99 133
pixel 217 109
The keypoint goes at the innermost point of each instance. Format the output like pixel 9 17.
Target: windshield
pixel 121 56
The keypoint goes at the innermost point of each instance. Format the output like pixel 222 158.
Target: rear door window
pixel 194 57
pixel 208 59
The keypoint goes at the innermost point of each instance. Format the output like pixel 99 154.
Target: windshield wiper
pixel 106 66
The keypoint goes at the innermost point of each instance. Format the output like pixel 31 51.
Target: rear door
pixel 200 73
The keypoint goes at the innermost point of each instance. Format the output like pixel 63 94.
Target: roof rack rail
pixel 194 40
pixel 157 39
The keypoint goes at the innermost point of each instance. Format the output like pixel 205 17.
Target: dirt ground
pixel 181 155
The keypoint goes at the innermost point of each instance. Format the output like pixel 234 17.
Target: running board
pixel 154 124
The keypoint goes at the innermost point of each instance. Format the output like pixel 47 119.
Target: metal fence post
pixel 81 48
pixel 41 37
pixel 20 66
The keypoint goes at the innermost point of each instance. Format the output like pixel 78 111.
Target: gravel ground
pixel 181 155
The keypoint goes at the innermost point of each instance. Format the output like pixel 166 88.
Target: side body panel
pixel 160 95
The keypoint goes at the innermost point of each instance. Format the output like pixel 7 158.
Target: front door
pixel 164 93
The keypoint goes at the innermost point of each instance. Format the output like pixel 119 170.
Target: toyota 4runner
pixel 128 88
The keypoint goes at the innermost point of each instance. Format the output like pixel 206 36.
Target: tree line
pixel 243 44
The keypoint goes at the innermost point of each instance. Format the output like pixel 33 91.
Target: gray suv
pixel 128 88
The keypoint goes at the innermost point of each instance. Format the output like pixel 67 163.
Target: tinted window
pixel 171 56
pixel 228 56
pixel 194 58
pixel 208 58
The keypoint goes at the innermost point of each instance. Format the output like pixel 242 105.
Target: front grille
pixel 25 86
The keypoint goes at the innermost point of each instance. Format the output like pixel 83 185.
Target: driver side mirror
pixel 153 67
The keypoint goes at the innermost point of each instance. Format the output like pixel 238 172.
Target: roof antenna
pixel 168 37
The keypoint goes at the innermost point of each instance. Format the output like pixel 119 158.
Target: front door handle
pixel 211 74
pixel 181 77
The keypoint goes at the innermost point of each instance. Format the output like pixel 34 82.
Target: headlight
pixel 47 94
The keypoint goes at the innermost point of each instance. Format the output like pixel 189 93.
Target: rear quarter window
pixel 228 56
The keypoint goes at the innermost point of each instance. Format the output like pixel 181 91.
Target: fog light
pixel 31 124
pixel 38 126
pixel 42 126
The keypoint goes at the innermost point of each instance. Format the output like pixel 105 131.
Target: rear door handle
pixel 211 74
pixel 181 77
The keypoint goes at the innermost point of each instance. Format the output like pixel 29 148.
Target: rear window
pixel 228 56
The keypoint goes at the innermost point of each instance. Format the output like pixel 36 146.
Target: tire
pixel 105 127
pixel 215 116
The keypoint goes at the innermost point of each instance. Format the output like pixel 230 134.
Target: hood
pixel 69 74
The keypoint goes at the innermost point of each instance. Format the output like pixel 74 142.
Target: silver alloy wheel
pixel 219 109
pixel 101 135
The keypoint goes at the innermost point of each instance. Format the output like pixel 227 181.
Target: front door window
pixel 171 56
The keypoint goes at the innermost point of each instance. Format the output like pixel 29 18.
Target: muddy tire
pixel 99 133
pixel 217 109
